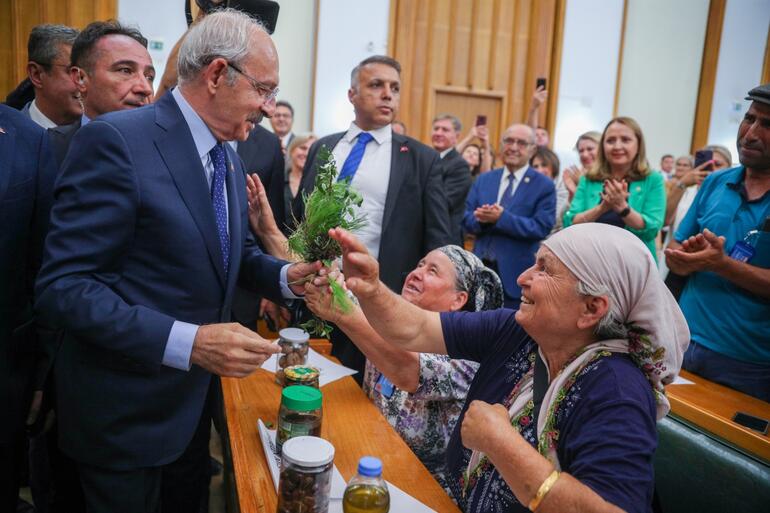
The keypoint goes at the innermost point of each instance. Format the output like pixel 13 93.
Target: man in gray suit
pixel 57 101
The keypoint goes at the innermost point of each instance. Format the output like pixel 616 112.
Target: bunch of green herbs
pixel 331 204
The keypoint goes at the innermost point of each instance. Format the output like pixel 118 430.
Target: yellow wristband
pixel 543 490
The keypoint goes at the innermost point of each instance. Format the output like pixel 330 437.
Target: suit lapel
pixel 6 154
pixel 180 155
pixel 493 189
pixel 399 166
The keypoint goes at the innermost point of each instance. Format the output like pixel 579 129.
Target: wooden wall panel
pixel 708 74
pixel 17 17
pixel 460 56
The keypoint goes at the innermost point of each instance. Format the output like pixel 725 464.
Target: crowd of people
pixel 512 319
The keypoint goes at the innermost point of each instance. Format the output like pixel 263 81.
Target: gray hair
pixel 454 119
pixel 611 325
pixel 374 59
pixel 44 43
pixel 225 33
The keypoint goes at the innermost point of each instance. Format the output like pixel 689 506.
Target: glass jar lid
pixel 301 398
pixel 294 335
pixel 308 451
pixel 301 373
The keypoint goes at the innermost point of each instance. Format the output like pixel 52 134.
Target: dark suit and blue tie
pixel 149 236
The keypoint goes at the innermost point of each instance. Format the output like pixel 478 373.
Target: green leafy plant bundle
pixel 331 204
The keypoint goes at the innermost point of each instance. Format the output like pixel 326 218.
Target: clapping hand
pixel 571 178
pixel 488 214
pixel 701 252
pixel 615 194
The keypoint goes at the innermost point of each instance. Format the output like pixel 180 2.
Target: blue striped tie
pixel 508 192
pixel 218 200
pixel 350 166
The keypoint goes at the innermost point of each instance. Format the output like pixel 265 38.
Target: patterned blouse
pixel 426 418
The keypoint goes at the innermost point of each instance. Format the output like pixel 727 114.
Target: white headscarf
pixel 606 257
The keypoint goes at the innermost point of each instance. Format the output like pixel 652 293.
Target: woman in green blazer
pixel 621 188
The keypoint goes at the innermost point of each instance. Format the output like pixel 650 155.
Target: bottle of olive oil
pixel 367 492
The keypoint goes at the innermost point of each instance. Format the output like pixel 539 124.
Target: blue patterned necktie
pixel 350 166
pixel 217 155
pixel 508 192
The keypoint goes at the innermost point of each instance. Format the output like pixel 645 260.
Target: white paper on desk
pixel 330 371
pixel 267 436
pixel 682 381
pixel 400 501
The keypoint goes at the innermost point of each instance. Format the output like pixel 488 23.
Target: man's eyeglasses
pixel 266 92
pixel 521 143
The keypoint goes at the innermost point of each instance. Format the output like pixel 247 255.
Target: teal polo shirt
pixel 722 316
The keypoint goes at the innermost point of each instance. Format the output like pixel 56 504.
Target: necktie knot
pixel 351 164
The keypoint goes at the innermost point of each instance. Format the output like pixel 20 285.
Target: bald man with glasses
pixel 510 210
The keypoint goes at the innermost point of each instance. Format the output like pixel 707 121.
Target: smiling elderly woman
pixel 421 395
pixel 561 414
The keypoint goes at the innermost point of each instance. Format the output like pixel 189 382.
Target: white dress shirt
pixel 518 176
pixel 371 180
pixel 38 117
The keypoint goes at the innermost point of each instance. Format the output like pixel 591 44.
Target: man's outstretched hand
pixel 230 350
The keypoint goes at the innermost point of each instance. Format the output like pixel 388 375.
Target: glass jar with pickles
pixel 300 413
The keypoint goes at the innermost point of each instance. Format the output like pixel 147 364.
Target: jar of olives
pixel 300 413
pixel 306 475
pixel 294 348
pixel 301 375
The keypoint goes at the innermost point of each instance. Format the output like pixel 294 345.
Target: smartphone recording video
pixel 703 156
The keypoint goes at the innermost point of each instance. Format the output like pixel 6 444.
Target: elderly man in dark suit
pixel 149 236
pixel 399 178
pixel 457 173
pixel 27 173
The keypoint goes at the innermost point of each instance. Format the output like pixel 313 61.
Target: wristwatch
pixel 680 185
pixel 625 211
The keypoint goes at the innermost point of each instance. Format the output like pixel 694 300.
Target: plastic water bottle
pixel 744 250
pixel 367 492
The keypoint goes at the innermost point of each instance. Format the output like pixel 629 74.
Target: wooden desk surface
pixel 712 407
pixel 351 423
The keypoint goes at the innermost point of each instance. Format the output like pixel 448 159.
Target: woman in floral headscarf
pixel 421 395
pixel 596 338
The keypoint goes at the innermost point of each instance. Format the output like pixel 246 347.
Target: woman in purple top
pixel 561 414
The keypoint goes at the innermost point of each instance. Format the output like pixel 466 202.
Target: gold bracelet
pixel 543 490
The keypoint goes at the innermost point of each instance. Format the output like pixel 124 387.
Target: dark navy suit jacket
pixel 133 247
pixel 27 174
pixel 527 218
